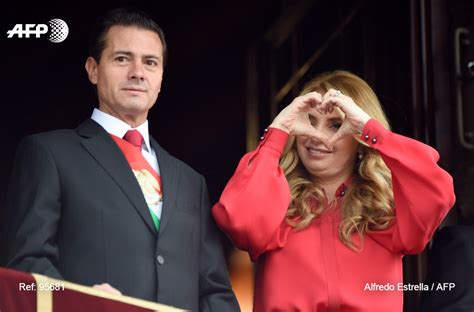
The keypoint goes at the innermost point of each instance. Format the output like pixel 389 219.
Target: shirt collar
pixel 118 127
pixel 342 189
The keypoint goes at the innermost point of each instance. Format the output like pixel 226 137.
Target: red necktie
pixel 134 137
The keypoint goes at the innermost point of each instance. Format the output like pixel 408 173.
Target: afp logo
pixel 57 30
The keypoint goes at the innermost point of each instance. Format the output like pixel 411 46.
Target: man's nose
pixel 136 70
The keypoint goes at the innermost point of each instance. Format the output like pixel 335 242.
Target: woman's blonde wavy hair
pixel 368 202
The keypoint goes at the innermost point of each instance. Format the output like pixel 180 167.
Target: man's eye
pixel 121 59
pixel 151 63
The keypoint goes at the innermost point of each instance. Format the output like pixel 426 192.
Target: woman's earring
pixel 360 155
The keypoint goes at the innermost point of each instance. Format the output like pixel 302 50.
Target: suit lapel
pixel 169 179
pixel 104 150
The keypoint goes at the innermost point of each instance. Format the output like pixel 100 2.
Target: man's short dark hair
pixel 122 17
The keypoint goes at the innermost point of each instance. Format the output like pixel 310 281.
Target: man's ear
pixel 91 68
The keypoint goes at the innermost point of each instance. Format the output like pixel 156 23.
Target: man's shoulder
pixel 51 137
pixel 63 136
pixel 42 145
pixel 52 134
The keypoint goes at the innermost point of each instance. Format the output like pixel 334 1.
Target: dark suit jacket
pixel 77 213
pixel 451 260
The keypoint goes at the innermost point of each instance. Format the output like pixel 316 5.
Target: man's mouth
pixel 134 89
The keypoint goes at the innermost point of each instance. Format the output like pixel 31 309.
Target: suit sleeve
pixel 33 209
pixel 215 291
pixel 450 264
pixel 253 206
pixel 423 192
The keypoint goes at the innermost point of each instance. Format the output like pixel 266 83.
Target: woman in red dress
pixel 331 200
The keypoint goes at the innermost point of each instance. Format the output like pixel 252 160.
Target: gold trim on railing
pixel 44 298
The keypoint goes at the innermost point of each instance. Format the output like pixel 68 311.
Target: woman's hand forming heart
pixel 294 119
pixel 354 120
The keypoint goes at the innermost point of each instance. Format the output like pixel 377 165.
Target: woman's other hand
pixel 294 119
pixel 354 120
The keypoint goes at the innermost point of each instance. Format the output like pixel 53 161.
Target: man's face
pixel 129 74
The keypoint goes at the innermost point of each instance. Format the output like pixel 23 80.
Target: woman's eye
pixel 336 125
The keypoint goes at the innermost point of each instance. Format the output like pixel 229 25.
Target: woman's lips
pixel 318 151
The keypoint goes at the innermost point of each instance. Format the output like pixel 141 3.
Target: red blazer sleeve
pixel 253 206
pixel 423 191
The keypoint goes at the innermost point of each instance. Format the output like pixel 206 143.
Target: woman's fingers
pixel 330 99
pixel 343 131
pixel 294 119
pixel 308 101
pixel 320 137
pixel 304 128
pixel 354 115
pixel 297 110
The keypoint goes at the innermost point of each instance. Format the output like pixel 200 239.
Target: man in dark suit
pixel 451 271
pixel 104 204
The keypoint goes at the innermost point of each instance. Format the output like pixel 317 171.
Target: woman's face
pixel 317 159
